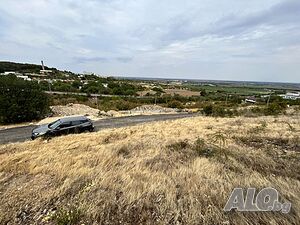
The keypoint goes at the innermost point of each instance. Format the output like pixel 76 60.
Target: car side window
pixel 65 125
pixel 77 122
pixel 84 121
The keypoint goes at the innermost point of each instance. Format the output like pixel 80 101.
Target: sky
pixel 209 39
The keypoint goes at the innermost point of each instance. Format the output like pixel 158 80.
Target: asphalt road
pixel 19 134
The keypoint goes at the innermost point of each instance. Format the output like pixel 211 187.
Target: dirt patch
pixel 152 109
pixel 144 93
pixel 74 109
pixel 182 92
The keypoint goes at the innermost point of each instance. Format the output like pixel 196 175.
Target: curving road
pixel 19 134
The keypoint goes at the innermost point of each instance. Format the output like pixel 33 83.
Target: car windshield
pixel 54 124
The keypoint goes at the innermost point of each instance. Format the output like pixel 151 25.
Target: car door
pixel 76 125
pixel 64 128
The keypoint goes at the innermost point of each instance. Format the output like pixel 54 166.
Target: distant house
pixel 250 99
pixel 291 95
pixel 24 77
pixel 10 73
pixel 45 71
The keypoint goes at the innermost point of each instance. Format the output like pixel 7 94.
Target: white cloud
pixel 209 39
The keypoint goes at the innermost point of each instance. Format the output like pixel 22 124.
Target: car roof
pixel 73 118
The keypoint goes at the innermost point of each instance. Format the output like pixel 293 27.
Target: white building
pixel 291 95
pixel 250 100
pixel 10 72
pixel 24 77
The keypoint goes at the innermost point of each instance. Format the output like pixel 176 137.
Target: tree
pixel 175 104
pixel 76 84
pixel 21 101
pixel 208 110
pixel 203 92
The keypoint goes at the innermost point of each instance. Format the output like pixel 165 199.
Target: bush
pixel 275 109
pixel 125 105
pixel 202 149
pixel 67 216
pixel 175 104
pixel 218 110
pixel 21 101
pixel 178 146
pixel 208 110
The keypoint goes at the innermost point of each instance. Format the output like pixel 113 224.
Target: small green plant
pixel 258 129
pixel 69 216
pixel 175 104
pixel 124 151
pixel 263 124
pixel 202 149
pixel 209 127
pixel 178 146
pixel 219 139
pixel 275 109
pixel 207 110
pixel 199 142
pixel 218 110
pixel 291 128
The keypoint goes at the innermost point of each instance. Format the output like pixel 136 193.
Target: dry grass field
pixel 182 92
pixel 173 172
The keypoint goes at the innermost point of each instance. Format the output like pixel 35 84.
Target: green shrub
pixel 208 110
pixel 21 101
pixel 219 139
pixel 218 111
pixel 272 109
pixel 67 216
pixel 125 105
pixel 178 146
pixel 275 109
pixel 202 149
pixel 175 104
pixel 291 128
pixel 258 129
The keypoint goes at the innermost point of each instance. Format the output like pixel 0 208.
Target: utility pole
pixel 43 67
pixel 226 98
pixel 269 99
pixel 97 102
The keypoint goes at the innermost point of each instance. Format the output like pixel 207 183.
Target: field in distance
pixel 173 172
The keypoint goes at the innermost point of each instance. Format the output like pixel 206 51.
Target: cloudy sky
pixel 207 39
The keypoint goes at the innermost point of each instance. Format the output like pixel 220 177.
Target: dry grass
pixel 182 92
pixel 159 173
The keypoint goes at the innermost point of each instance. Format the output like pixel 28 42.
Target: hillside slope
pixel 21 67
pixel 174 172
